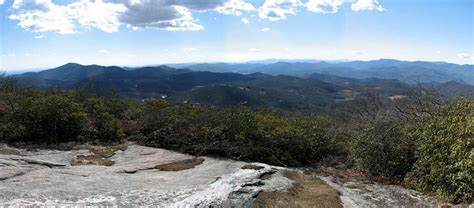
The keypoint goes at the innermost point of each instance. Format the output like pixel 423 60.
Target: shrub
pixel 185 128
pixel 275 139
pixel 383 150
pixel 53 117
pixel 377 142
pixel 103 115
pixel 45 119
pixel 238 133
pixel 445 156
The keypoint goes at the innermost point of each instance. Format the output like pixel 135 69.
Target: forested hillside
pixel 419 140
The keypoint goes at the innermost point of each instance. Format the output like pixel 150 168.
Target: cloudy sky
pixel 39 34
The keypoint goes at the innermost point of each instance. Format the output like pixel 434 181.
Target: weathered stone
pixel 41 178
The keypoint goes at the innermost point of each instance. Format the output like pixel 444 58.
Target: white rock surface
pixel 363 193
pixel 45 178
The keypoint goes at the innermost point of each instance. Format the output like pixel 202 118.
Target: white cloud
pixel 2 1
pixel 104 51
pixel 234 7
pixel 464 56
pixel 104 16
pixel 265 29
pixel 370 5
pixel 108 15
pixel 174 15
pixel 190 50
pixel 44 15
pixel 438 52
pixel 358 53
pixel 275 10
pixel 165 14
pixel 39 36
pixel 254 49
pixel 324 6
pixel 26 54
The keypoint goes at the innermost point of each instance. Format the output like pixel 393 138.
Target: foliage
pixel 420 138
pixel 54 117
pixel 445 156
pixel 104 117
pixel 377 142
pixel 238 133
pixel 383 150
pixel 49 119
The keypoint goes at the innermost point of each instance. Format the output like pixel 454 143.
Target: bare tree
pixel 10 92
pixel 420 103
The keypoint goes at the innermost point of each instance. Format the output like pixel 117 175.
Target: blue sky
pixel 39 34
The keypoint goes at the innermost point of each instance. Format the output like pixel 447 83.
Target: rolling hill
pixel 254 84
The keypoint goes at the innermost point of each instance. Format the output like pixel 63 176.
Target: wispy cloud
pixel 39 36
pixel 358 53
pixel 104 51
pixel 9 55
pixel 173 15
pixel 324 6
pixel 464 56
pixel 190 49
pixel 265 29
pixel 275 10
pixel 361 5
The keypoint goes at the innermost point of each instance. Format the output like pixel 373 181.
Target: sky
pixel 39 34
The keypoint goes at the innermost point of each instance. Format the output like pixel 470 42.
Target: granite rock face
pixel 45 177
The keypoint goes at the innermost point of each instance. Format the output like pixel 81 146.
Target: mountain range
pixel 294 86
pixel 405 71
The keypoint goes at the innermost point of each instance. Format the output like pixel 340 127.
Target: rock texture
pixel 46 178
pixel 364 193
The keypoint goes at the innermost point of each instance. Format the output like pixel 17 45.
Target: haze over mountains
pixel 312 86
pixel 409 72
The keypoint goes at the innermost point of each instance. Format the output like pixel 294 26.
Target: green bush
pixel 238 133
pixel 275 139
pixel 185 128
pixel 103 115
pixel 45 119
pixel 445 156
pixel 54 117
pixel 383 149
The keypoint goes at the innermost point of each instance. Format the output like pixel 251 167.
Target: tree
pixel 445 156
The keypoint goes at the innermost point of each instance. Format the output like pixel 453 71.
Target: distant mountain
pixel 405 71
pixel 310 92
pixel 455 89
pixel 273 61
pixel 72 71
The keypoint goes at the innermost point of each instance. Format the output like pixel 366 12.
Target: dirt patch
pixel 180 165
pixel 309 191
pixel 100 154
pixel 91 160
pixel 8 151
pixel 104 151
pixel 253 167
pixel 267 175
pixel 346 175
